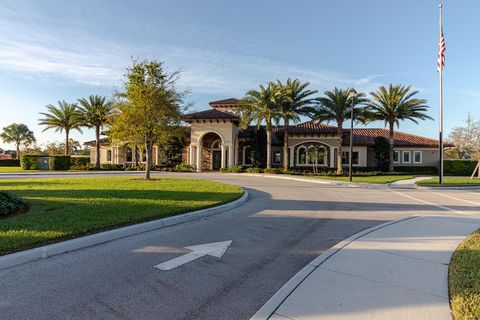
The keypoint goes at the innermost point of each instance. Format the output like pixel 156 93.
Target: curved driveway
pixel 278 231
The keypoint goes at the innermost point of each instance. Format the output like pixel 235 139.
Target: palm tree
pixel 259 106
pixel 96 112
pixel 18 134
pixel 336 106
pixel 295 100
pixel 393 105
pixel 66 116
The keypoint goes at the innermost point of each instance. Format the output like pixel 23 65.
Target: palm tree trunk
pixel 390 141
pixel 285 147
pixel 67 145
pixel 97 146
pixel 269 148
pixel 339 146
pixel 18 151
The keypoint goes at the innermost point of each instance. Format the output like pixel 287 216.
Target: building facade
pixel 215 141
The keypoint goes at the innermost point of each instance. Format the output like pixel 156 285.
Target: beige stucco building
pixel 215 140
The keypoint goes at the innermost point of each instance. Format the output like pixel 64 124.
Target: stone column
pixel 191 155
pixel 223 162
pixel 231 156
pixel 236 155
pixel 199 158
pixel 292 156
pixel 332 157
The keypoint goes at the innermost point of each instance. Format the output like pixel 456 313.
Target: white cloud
pixel 38 50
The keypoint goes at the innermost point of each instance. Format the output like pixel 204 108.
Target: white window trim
pixel 421 157
pixel 399 154
pixel 348 163
pixel 409 157
pixel 324 164
pixel 298 156
pixel 273 156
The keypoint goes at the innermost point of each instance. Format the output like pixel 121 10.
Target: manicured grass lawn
pixel 69 207
pixel 451 182
pixel 367 179
pixel 11 169
pixel 464 279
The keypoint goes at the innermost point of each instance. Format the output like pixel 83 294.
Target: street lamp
pixel 352 95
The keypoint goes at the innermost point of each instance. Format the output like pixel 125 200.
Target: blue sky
pixel 64 50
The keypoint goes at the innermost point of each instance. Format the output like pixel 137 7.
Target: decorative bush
pixel 236 169
pixel 29 161
pixel 59 162
pixel 112 167
pixel 79 161
pixel 10 163
pixel 273 170
pixel 382 153
pixel 459 167
pixel 183 167
pixel 416 169
pixel 11 204
pixel 254 170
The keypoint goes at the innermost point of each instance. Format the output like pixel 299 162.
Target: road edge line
pixel 43 252
pixel 272 304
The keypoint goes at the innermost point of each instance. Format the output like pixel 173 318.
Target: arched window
pixel 312 154
pixel 302 155
pixel 217 144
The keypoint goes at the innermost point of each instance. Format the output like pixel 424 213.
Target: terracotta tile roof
pixel 312 127
pixel 230 102
pixel 211 114
pixel 102 141
pixel 366 137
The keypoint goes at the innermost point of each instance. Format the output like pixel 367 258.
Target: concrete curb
pixel 448 188
pixel 269 308
pixel 43 252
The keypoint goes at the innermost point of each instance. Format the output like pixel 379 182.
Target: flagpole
pixel 440 132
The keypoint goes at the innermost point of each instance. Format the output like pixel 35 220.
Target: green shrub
pixel 79 161
pixel 110 167
pixel 29 161
pixel 11 204
pixel 183 167
pixel 254 170
pixel 382 153
pixel 59 162
pixel 459 167
pixel 236 169
pixel 10 163
pixel 416 169
pixel 273 170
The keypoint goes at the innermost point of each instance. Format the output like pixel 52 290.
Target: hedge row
pixel 459 167
pixel 10 163
pixel 11 204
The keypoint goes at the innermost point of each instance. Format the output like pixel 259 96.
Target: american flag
pixel 441 52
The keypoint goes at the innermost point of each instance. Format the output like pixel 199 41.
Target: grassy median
pixel 65 208
pixel 451 182
pixel 464 279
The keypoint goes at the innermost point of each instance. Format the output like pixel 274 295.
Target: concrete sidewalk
pixel 408 183
pixel 395 271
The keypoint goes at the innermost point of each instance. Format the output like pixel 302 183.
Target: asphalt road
pixel 278 231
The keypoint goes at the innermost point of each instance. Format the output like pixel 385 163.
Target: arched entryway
pixel 211 151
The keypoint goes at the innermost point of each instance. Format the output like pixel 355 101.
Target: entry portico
pixel 214 137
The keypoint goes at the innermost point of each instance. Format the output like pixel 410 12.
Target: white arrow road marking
pixel 215 249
